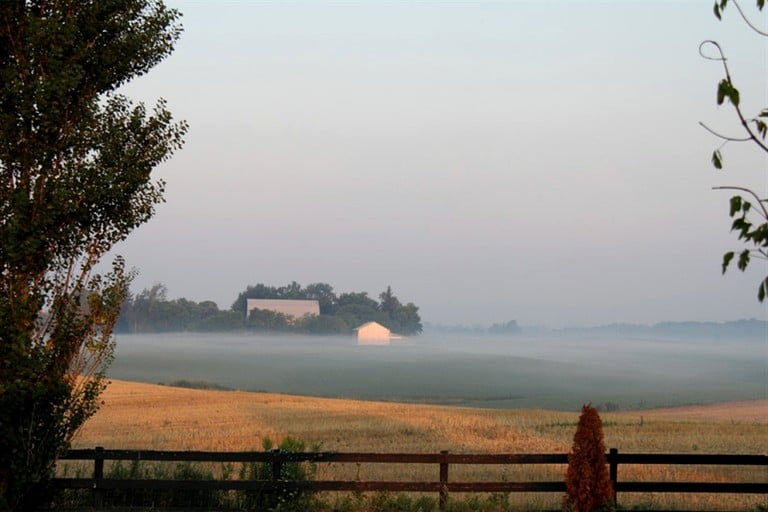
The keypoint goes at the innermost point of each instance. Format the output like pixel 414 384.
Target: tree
pixel 356 298
pixel 324 295
pixel 323 324
pixel 749 211
pixel 400 319
pixel 406 319
pixel 267 320
pixel 389 303
pixel 151 311
pixel 355 314
pixel 510 327
pixel 588 484
pixel 260 291
pixel 75 165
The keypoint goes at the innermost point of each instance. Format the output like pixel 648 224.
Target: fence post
pixel 443 480
pixel 277 464
pixel 613 461
pixel 98 475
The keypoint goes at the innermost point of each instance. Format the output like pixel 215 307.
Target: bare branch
pixel 721 58
pixel 744 122
pixel 724 137
pixel 746 20
pixel 752 135
pixel 761 202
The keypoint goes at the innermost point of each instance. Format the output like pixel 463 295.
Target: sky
pixel 488 160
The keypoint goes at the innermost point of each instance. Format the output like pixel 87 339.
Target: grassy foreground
pixel 145 416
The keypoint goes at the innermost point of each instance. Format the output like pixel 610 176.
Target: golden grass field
pixel 146 416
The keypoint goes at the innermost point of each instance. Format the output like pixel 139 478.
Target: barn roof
pixel 296 308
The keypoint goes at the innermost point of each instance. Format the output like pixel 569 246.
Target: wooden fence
pixel 441 485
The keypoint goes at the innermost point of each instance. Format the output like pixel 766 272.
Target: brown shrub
pixel 587 480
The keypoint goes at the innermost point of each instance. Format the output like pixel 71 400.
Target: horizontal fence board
pixel 441 484
pixel 409 458
pixel 384 458
pixel 314 485
pixel 693 459
pixel 693 487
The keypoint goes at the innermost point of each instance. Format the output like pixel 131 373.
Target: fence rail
pixel 443 486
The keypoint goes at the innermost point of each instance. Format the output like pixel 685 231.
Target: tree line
pixel 151 311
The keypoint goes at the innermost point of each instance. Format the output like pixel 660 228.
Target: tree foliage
pixel 152 311
pixel 748 210
pixel 588 484
pixel 348 310
pixel 75 164
pixel 509 327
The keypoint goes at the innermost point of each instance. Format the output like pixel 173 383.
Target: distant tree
pixel 350 309
pixel 510 327
pixel 292 291
pixel 356 314
pixel 389 304
pixel 324 295
pixel 323 324
pixel 588 484
pixel 218 322
pixel 152 311
pixel 748 209
pixel 400 319
pixel 406 320
pixel 266 320
pixel 75 179
pixel 357 298
pixel 207 308
pixel 259 291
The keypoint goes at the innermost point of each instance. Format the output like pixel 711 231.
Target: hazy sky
pixel 490 160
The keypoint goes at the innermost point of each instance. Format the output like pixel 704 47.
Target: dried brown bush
pixel 588 484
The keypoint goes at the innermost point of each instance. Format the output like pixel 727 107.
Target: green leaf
pixel 742 226
pixel 743 260
pixel 761 128
pixel 717 159
pixel 717 11
pixel 762 290
pixel 725 89
pixel 734 96
pixel 735 205
pixel 763 113
pixel 727 257
pixel 722 87
pixel 760 4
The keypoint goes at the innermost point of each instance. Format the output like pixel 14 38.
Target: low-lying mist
pixel 498 372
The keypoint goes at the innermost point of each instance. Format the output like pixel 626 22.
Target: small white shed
pixel 373 333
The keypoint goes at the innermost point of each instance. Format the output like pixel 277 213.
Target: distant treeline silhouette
pixel 151 311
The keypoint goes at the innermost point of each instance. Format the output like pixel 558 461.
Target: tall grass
pixel 143 416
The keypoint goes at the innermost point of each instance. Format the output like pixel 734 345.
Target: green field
pixel 516 372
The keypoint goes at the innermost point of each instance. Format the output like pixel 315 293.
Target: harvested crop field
pixel 147 416
pixel 137 415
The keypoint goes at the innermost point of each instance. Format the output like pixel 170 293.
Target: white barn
pixel 294 308
pixel 373 333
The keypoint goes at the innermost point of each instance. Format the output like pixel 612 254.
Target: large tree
pixel 75 165
pixel 748 210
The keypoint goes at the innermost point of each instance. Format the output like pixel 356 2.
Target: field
pixel 146 416
pixel 515 372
